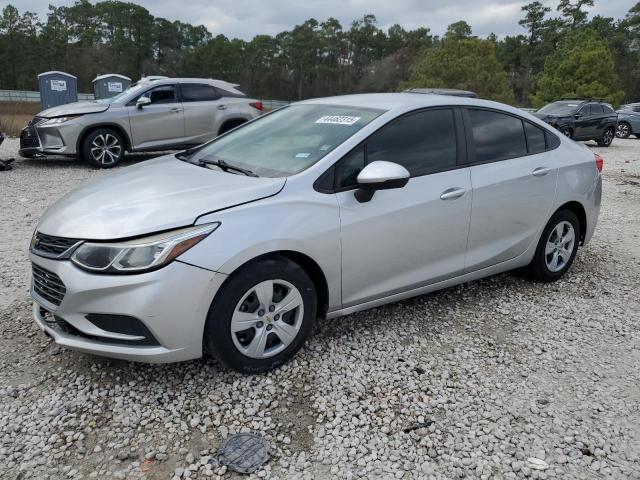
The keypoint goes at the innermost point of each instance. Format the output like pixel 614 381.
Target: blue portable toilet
pixel 57 88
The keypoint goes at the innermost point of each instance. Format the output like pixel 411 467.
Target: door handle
pixel 222 107
pixel 452 193
pixel 540 171
pixel 176 109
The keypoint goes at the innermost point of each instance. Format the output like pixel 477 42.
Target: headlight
pixel 140 255
pixel 57 120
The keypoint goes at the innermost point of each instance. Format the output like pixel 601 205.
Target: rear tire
pixel 556 248
pixel 607 137
pixel 261 316
pixel 103 148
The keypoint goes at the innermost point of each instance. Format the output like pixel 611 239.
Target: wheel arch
pixel 310 266
pixel 90 128
pixel 231 123
pixel 578 209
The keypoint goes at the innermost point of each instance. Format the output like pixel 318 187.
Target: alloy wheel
pixel 106 149
pixel 559 247
pixel 267 319
pixel 623 130
pixel 608 136
pixel 566 132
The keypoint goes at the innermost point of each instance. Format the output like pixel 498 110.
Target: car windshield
pixel 129 91
pixel 560 108
pixel 288 140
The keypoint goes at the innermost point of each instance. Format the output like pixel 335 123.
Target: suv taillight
pixel 599 162
pixel 257 105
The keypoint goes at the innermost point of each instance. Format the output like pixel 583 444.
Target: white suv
pixel 166 114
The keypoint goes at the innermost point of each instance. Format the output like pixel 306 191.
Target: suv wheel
pixel 103 148
pixel 262 315
pixel 567 132
pixel 607 137
pixel 623 130
pixel 557 247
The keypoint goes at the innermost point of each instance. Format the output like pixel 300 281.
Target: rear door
pixel 203 111
pixel 587 124
pixel 514 177
pixel 412 236
pixel 160 124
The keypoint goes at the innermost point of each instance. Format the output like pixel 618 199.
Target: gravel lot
pixel 501 378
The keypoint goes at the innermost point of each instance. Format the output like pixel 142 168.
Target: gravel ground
pixel 500 378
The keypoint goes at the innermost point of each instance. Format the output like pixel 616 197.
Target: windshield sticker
pixel 338 120
pixel 302 155
pixel 573 105
pixel 324 148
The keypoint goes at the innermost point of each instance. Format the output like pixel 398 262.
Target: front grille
pixel 48 285
pixel 50 246
pixel 29 138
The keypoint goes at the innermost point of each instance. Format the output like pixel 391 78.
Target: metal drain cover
pixel 244 452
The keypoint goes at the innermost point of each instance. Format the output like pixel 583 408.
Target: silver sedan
pixel 317 210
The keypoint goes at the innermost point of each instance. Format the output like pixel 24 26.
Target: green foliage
pixel 315 58
pixel 582 67
pixel 464 63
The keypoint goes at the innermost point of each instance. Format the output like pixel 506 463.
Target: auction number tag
pixel 338 120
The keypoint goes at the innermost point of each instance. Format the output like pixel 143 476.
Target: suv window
pixel 596 109
pixel 422 142
pixel 497 136
pixel 159 94
pixel 607 108
pixel 198 92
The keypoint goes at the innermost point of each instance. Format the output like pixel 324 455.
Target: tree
pixel 533 20
pixel 458 31
pixel 572 11
pixel 582 67
pixel 464 63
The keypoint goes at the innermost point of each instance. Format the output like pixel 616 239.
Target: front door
pixel 412 236
pixel 159 124
pixel 514 182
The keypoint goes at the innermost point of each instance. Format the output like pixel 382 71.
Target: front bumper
pixel 171 302
pixel 38 140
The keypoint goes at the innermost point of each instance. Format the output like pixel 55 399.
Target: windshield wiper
pixel 226 166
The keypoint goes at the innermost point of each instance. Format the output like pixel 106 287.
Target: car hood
pixel 149 197
pixel 546 116
pixel 75 108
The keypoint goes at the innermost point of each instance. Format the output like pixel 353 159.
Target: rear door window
pixel 197 92
pixel 496 136
pixel 596 109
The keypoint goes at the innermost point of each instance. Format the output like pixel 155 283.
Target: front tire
pixel 607 137
pixel 103 148
pixel 623 130
pixel 557 247
pixel 567 132
pixel 261 316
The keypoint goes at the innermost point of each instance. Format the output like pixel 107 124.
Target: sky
pixel 247 18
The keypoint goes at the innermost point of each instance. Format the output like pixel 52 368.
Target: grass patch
pixel 15 115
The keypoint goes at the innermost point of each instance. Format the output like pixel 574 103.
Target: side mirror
pixel 143 101
pixel 579 115
pixel 380 175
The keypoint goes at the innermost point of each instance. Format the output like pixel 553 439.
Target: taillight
pixel 599 162
pixel 257 105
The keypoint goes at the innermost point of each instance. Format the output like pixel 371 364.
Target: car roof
pixel 444 91
pixel 228 86
pixel 400 102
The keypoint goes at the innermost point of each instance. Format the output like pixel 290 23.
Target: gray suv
pixel 166 114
